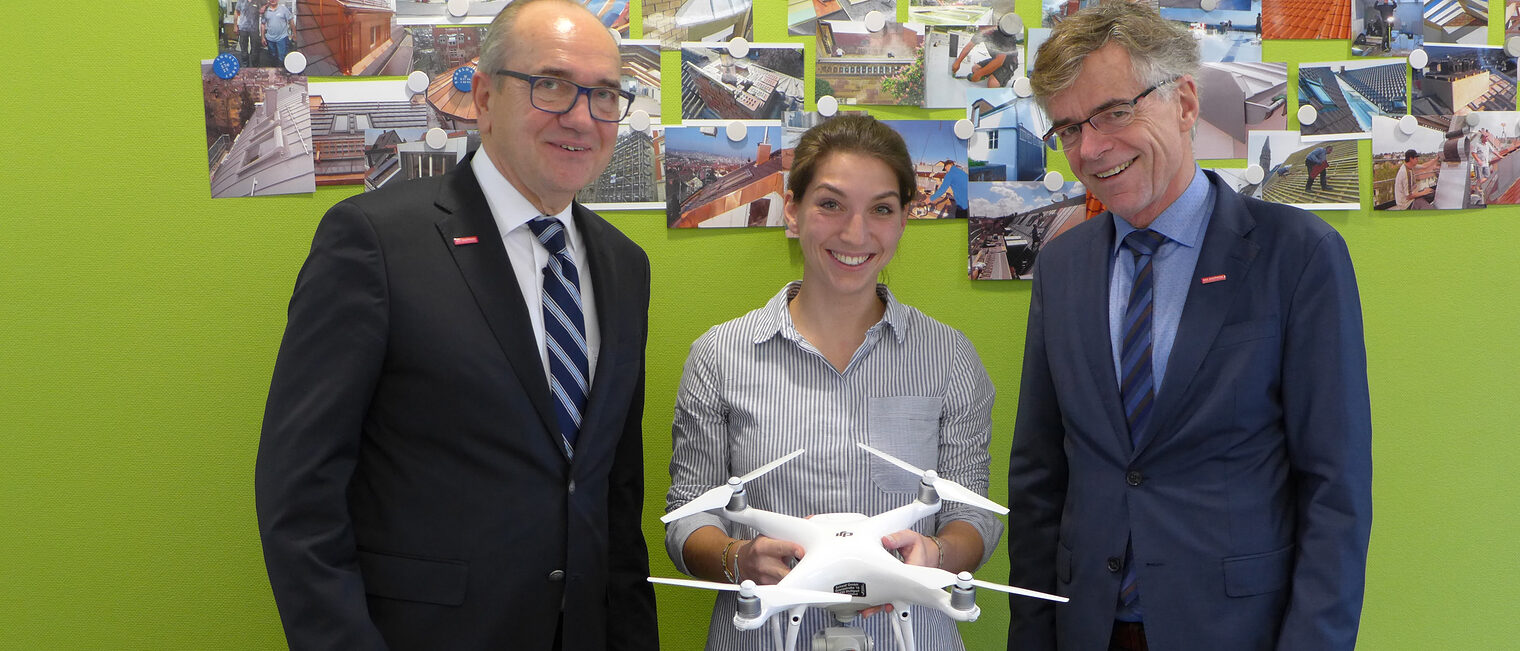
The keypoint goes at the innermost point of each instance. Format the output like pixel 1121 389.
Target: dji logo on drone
pixel 844 534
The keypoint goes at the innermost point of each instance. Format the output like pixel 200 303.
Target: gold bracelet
pixel 941 547
pixel 723 561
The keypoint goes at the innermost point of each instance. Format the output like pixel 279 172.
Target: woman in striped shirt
pixel 830 361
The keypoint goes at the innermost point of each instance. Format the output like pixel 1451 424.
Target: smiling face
pixel 848 223
pixel 1143 168
pixel 549 157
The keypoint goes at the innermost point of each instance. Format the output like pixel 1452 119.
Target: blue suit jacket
pixel 1250 503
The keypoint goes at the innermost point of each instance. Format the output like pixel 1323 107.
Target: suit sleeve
pixel 631 620
pixel 1036 489
pixel 1328 421
pixel 324 377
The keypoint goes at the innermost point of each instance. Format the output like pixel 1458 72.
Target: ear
pixel 1187 97
pixel 480 96
pixel 789 212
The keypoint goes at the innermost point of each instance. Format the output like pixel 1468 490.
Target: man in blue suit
pixel 1191 459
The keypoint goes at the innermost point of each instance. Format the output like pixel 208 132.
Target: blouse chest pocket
pixel 906 427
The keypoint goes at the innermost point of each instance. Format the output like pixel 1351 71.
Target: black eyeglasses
pixel 558 96
pixel 1106 120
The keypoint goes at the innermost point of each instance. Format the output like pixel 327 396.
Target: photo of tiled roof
pixel 1318 87
pixel 1301 19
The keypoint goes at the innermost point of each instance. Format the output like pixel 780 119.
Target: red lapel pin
pixel 1206 280
pixel 469 240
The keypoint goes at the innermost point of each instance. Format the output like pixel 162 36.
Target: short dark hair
pixel 854 133
pixel 1411 155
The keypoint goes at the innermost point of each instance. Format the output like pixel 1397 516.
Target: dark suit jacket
pixel 1250 502
pixel 411 493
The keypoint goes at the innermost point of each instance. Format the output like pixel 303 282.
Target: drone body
pixel 845 568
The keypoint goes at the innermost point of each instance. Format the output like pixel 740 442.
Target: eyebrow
pixel 889 193
pixel 565 75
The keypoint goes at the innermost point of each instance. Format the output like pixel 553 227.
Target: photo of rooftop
pixel 1229 32
pixel 1235 98
pixel 711 181
pixel 1011 222
pixel 1462 78
pixel 1386 28
pixel 763 84
pixel 1456 21
pixel 258 133
pixel 1347 94
pixel 1311 175
pixel 1306 19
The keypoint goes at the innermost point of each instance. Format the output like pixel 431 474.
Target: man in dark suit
pixel 452 452
pixel 1191 459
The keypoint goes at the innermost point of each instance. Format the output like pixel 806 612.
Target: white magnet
pixel 436 138
pixel 417 82
pixel 1022 87
pixel 1254 173
pixel 1053 180
pixel 828 106
pixel 737 131
pixel 459 8
pixel 1011 24
pixel 617 36
pixel 1418 59
pixel 639 120
pixel 964 129
pixel 738 47
pixel 1208 5
pixel 1512 46
pixel 295 62
pixel 1473 119
pixel 875 21
pixel 1307 114
pixel 1408 124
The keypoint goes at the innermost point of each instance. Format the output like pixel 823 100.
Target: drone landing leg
pixel 902 625
pixel 776 634
pixel 793 626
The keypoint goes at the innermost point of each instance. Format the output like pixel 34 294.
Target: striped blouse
pixel 754 390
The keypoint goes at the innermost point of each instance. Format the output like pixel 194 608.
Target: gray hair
pixel 496 48
pixel 1159 49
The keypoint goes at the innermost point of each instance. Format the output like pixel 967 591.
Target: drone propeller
pixel 964 581
pixel 717 497
pixel 947 489
pixel 773 596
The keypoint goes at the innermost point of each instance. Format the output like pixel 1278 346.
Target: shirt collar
pixel 775 319
pixel 1182 222
pixel 508 206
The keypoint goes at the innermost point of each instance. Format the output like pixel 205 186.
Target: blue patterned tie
pixel 1136 385
pixel 564 330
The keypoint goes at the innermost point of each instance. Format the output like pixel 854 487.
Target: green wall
pixel 139 321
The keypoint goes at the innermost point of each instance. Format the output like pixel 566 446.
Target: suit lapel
pixel 488 272
pixel 1091 298
pixel 1226 252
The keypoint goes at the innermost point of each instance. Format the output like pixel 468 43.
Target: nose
pixel 576 117
pixel 1093 143
pixel 854 231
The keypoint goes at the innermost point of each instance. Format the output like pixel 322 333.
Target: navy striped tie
pixel 564 330
pixel 1137 386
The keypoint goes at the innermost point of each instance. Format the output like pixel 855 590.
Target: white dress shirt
pixel 512 212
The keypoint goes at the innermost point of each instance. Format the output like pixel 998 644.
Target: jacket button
pixel 572 487
pixel 557 576
pixel 1114 564
pixel 1134 478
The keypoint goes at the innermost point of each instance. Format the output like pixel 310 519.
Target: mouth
pixel 1115 169
pixel 572 148
pixel 851 260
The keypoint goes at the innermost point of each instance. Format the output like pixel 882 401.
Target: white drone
pixel 846 569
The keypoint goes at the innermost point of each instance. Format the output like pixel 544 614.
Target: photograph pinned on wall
pixel 1491 138
pixel 1035 36
pixel 1234 99
pixel 1387 28
pixel 856 65
pixel 957 12
pixel 1054 11
pixel 1511 18
pixel 1346 95
pixel 1459 79
pixel 351 38
pixel 1006 144
pixel 717 87
pixel 1229 32
pixel 1456 21
pixel 1235 177
pixel 1430 168
pixel 641 76
pixel 673 22
pixel 244 27
pixel 1306 19
pixel 1311 175
pixel 404 154
pixel 939 164
pixel 614 14
pixel 258 132
pixel 1010 222
pixel 635 178
pixel 449 56
pixel 712 181
pixel 957 59
pixel 802 16
pixel 343 111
